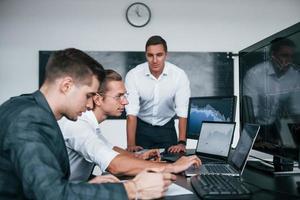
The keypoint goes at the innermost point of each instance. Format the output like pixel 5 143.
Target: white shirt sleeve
pixel 81 137
pixel 133 98
pixel 182 96
pixel 251 89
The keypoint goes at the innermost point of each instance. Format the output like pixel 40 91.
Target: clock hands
pixel 137 11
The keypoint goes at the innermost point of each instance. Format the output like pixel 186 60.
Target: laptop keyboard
pixel 219 187
pixel 217 169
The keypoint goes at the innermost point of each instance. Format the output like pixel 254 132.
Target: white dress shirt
pixel 270 94
pixel 86 146
pixel 156 101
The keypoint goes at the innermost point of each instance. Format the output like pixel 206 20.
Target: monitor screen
pixel 214 108
pixel 269 76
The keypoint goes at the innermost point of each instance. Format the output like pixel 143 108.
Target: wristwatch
pixel 182 142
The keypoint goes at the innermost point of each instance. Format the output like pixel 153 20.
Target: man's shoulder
pixel 82 127
pixel 139 68
pixel 22 117
pixel 258 70
pixel 263 66
pixel 22 106
pixel 174 67
pixel 175 71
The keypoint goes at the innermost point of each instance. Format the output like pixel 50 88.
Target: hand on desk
pixel 177 148
pixel 105 179
pixel 149 184
pixel 183 163
pixel 152 154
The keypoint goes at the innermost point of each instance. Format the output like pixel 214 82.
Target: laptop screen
pixel 215 139
pixel 240 155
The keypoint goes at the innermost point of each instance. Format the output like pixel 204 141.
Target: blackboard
pixel 210 73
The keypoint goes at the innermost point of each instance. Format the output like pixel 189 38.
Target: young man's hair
pixel 279 42
pixel 110 75
pixel 156 39
pixel 74 63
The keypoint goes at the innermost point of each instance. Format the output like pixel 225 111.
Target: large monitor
pixel 212 108
pixel 269 76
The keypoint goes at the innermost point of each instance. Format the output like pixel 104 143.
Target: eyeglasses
pixel 119 97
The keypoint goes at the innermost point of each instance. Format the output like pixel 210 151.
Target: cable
pixel 263 160
pixel 295 164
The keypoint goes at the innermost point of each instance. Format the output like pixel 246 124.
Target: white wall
pixel 27 26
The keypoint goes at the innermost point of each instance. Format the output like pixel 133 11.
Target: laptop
pixel 236 161
pixel 213 144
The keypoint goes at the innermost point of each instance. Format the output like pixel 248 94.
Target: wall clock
pixel 138 14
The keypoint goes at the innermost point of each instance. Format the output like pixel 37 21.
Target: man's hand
pixel 134 148
pixel 105 179
pixel 149 184
pixel 183 163
pixel 149 154
pixel 177 148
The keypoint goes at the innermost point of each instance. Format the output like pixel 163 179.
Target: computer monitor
pixel 212 108
pixel 269 77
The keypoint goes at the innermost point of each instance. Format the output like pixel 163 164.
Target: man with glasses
pixel 87 146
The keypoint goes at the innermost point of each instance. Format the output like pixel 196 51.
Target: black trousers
pixel 149 137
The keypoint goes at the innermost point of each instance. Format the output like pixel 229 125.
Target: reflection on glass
pixel 271 94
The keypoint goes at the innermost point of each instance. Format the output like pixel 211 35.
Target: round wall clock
pixel 138 14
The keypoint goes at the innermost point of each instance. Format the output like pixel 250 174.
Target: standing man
pixel 87 146
pixel 33 159
pixel 274 84
pixel 158 91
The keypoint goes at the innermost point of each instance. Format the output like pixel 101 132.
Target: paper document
pixel 177 190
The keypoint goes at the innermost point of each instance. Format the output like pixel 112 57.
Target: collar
pixel 42 101
pixel 271 71
pixel 165 71
pixel 270 68
pixel 90 117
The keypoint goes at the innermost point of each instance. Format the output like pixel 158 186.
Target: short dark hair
pixel 156 39
pixel 74 63
pixel 110 75
pixel 279 42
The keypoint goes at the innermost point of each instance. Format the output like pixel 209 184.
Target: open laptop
pixel 236 161
pixel 213 144
pixel 214 141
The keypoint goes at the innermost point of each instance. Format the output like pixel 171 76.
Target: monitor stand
pixel 279 167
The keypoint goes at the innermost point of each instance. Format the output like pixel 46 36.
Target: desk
pixel 264 185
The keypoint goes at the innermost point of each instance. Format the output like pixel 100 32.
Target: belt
pixel 168 124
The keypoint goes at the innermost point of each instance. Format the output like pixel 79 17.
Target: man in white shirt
pixel 86 146
pixel 274 85
pixel 158 91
